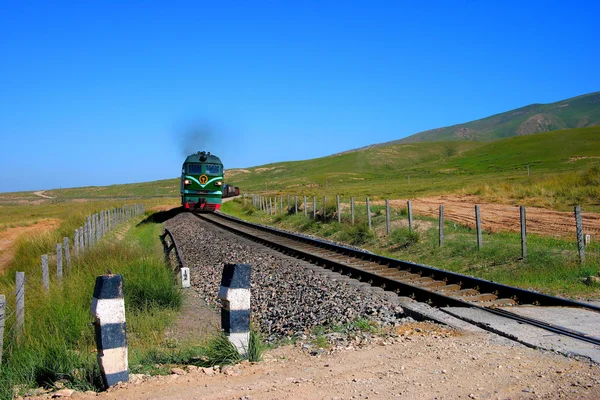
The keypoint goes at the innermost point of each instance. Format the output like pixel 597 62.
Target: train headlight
pixel 187 182
pixel 218 183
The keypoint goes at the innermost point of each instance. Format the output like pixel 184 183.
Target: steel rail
pixel 403 288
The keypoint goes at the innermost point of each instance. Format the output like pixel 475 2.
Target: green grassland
pixel 552 265
pixel 563 167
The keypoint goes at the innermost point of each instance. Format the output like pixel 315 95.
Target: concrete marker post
pixel 67 254
pixel 441 228
pixel 410 218
pixel 478 227
pixel 387 216
pixel 369 212
pixel 45 273
pixel 108 310
pixel 523 232
pixel 234 294
pixel 580 240
pixel 59 263
pixel 20 304
pixel 185 277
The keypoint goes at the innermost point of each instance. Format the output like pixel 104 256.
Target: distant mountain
pixel 577 112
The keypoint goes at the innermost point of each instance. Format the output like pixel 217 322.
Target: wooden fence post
pixel 59 263
pixel 339 210
pixel 369 212
pixel 270 206
pixel 324 208
pixel 523 232
pixel 579 227
pixel 305 210
pixel 314 207
pixel 45 273
pixel 2 319
pixel 478 227
pixel 352 208
pixel 296 204
pixel 410 219
pixel 441 225
pixel 387 216
pixel 67 254
pixel 20 297
pixel 281 205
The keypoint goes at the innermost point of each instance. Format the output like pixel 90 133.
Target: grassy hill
pixel 564 168
pixel 577 112
pixel 558 159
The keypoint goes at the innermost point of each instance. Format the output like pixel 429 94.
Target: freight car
pixel 230 190
pixel 202 182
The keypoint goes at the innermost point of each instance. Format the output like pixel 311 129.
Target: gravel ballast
pixel 290 297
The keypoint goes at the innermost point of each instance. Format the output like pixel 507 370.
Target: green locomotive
pixel 201 182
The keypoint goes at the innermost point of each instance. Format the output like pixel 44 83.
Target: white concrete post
pixel 235 298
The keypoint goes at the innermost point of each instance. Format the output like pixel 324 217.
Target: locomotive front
pixel 201 182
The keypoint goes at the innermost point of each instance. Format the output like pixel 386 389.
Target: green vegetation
pixel 552 265
pixel 58 341
pixel 563 171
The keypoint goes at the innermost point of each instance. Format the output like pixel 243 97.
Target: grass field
pixel 552 265
pixel 564 170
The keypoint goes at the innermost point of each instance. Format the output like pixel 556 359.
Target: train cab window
pixel 213 169
pixel 194 169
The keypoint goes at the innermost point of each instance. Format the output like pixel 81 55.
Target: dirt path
pixel 498 217
pixel 9 237
pixel 415 366
pixel 41 194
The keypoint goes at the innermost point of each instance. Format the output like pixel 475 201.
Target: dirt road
pixel 9 237
pixel 498 217
pixel 412 366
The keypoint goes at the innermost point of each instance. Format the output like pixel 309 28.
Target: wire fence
pixel 13 311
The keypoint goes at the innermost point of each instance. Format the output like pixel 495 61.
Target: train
pixel 202 186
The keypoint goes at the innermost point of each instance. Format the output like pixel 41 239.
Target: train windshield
pixel 194 169
pixel 213 169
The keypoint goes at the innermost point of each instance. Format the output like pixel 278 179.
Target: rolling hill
pixel 576 112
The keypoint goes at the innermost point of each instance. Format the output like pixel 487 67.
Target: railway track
pixel 423 283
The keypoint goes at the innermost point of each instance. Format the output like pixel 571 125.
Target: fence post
pixel 2 319
pixel 314 207
pixel 76 242
pixel 324 208
pixel 20 297
pixel 339 210
pixel 387 216
pixel 234 294
pixel 59 263
pixel 352 208
pixel 579 227
pixel 369 212
pixel 288 202
pixel 281 204
pixel 296 204
pixel 270 206
pixel 305 210
pixel 441 225
pixel 478 227
pixel 410 219
pixel 67 254
pixel 108 310
pixel 523 232
pixel 45 273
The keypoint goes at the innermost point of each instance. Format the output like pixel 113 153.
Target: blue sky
pixel 99 93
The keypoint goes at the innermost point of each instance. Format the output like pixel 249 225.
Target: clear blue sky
pixel 98 93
